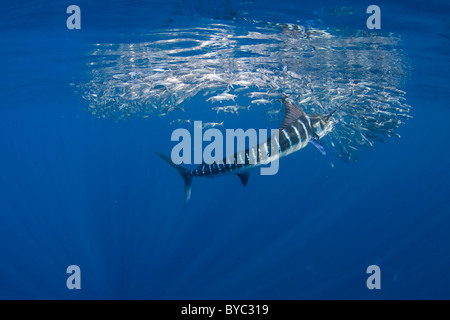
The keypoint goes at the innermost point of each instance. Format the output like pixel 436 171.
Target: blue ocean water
pixel 77 189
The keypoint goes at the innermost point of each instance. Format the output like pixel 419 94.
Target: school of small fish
pixel 237 66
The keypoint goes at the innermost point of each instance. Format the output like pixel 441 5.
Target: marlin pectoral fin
pixel 318 146
pixel 244 178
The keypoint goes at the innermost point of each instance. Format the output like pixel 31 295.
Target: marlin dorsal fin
pixel 293 112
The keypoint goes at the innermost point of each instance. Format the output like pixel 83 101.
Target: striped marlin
pixel 296 131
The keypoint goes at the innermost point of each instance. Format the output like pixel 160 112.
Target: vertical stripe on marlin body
pixel 296 131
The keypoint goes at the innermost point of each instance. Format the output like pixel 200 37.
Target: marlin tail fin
pixel 184 173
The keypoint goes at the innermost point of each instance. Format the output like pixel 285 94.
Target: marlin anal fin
pixel 184 173
pixel 293 112
pixel 244 177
